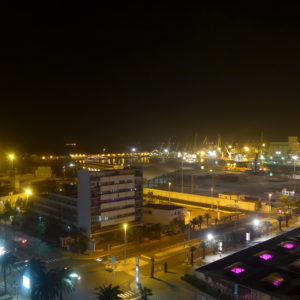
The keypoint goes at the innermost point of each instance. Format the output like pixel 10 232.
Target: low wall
pixel 244 205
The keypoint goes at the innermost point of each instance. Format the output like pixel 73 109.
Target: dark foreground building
pixel 269 270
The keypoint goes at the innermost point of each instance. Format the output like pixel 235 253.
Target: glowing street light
pixel 166 150
pixel 75 275
pixel 210 237
pixel 11 157
pixel 133 150
pixel 26 282
pixel 189 232
pixel 212 153
pixel 256 222
pixel 246 149
pixel 28 192
pixel 2 250
pixel 169 183
pixel 125 241
pixel 294 157
pixel 270 196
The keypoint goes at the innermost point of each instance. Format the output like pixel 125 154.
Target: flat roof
pixel 232 193
pixel 163 206
pixel 271 267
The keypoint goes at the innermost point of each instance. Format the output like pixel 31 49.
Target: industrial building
pixel 269 270
pixel 162 214
pixel 100 202
pixel 291 147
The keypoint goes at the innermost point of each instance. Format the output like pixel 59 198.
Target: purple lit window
pixel 237 270
pixel 266 256
pixel 288 245
pixel 278 282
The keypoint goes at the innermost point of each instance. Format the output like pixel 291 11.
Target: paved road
pixel 94 273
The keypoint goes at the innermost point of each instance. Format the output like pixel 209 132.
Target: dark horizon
pixel 124 75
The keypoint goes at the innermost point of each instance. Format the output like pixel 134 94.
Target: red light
pixel 24 242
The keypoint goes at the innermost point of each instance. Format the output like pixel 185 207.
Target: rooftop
pixel 163 206
pixel 271 267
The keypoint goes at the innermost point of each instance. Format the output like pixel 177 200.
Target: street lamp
pixel 125 241
pixel 294 157
pixel 210 237
pixel 170 183
pixel 11 157
pixel 211 195
pixel 133 149
pixel 256 222
pixel 28 192
pixel 270 196
pixel 189 232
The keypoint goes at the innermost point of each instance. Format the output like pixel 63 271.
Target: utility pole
pixel 182 174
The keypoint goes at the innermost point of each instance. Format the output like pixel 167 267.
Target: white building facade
pixel 107 199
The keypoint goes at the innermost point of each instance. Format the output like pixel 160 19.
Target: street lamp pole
pixel 294 157
pixel 211 195
pixel 11 157
pixel 189 228
pixel 28 192
pixel 182 174
pixel 170 183
pixel 270 209
pixel 125 242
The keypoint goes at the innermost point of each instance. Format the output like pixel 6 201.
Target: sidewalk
pixel 168 286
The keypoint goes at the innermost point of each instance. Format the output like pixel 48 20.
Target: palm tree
pixel 203 246
pixel 145 292
pixel 64 281
pixel 280 219
pixel 108 292
pixel 287 216
pixel 193 223
pixel 207 216
pixel 48 286
pixel 36 268
pixel 45 287
pixel 200 221
pixel 193 249
pixel 7 262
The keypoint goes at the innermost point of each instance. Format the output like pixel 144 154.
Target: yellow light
pixel 229 146
pixel 264 145
pixel 246 148
pixel 28 192
pixel 125 226
pixel 11 156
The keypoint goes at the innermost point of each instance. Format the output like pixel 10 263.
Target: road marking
pixel 56 259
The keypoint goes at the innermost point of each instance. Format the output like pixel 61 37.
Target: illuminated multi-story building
pixel 109 198
pixel 103 200
pixel 291 147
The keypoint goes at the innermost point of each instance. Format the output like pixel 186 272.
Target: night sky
pixel 125 74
